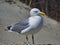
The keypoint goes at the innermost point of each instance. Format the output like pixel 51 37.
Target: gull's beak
pixel 42 13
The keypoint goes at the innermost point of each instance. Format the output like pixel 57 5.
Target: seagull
pixel 28 25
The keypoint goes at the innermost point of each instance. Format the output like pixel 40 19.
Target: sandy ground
pixel 9 14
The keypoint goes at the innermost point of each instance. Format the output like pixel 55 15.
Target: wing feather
pixel 21 25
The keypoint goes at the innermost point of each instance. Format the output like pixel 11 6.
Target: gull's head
pixel 35 12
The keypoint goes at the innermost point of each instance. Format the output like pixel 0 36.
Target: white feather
pixel 34 21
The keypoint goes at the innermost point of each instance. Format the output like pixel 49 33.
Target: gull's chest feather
pixel 34 21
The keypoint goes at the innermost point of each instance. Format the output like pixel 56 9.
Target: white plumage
pixel 28 24
pixel 34 22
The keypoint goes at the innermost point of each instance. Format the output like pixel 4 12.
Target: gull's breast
pixel 34 21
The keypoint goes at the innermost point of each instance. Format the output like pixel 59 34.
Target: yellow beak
pixel 42 13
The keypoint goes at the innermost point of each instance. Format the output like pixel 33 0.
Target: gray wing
pixel 21 25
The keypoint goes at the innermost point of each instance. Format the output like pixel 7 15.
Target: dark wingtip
pixel 8 27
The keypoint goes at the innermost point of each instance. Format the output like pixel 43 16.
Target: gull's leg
pixel 27 39
pixel 32 38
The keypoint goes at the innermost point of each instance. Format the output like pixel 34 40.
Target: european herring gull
pixel 28 25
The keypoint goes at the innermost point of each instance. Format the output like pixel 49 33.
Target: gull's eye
pixel 36 11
